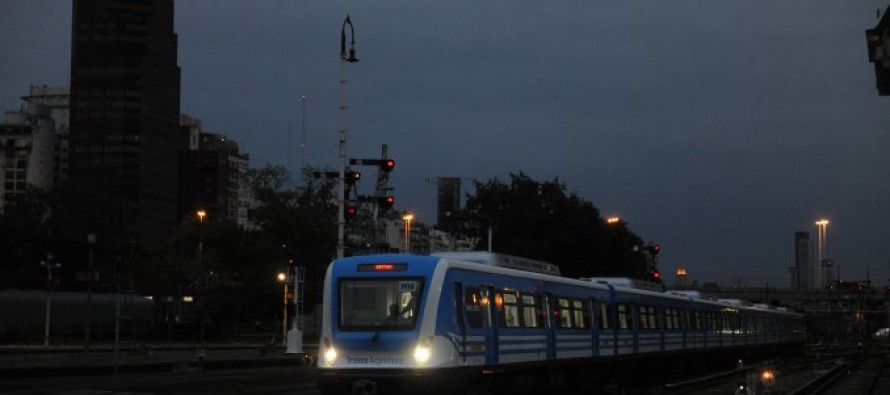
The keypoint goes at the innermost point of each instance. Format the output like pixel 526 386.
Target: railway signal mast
pixel 344 131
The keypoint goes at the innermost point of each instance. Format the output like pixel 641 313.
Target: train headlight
pixel 330 354
pixel 423 351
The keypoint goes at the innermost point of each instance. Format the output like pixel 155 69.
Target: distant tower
pixel 800 272
pixel 828 272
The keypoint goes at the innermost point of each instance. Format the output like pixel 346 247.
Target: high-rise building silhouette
pixel 800 273
pixel 125 114
pixel 212 176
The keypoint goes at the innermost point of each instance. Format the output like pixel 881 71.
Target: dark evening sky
pixel 716 128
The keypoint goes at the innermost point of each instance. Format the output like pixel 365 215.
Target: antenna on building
pixel 303 138
pixel 287 150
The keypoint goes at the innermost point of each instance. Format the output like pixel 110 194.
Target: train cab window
pixel 602 316
pixel 473 306
pixel 379 304
pixel 624 319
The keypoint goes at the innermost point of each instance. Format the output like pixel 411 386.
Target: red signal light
pixel 388 165
pixel 351 211
pixel 387 202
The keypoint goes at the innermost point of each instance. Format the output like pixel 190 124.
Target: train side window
pixel 580 315
pixel 473 306
pixel 648 317
pixel 532 314
pixel 693 320
pixel 508 303
pixel 671 319
pixel 624 321
pixel 565 313
pixel 602 314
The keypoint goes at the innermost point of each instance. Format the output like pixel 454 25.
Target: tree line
pixel 233 269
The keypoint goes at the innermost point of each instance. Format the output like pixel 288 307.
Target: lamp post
pixel 408 217
pixel 822 226
pixel 282 278
pixel 49 265
pixel 345 57
pixel 91 240
pixel 201 213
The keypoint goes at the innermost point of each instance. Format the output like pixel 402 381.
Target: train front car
pixel 379 315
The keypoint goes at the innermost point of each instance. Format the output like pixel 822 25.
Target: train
pixel 484 323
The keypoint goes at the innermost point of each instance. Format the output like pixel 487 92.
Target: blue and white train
pixel 479 322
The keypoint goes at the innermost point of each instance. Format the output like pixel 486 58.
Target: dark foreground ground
pixel 155 369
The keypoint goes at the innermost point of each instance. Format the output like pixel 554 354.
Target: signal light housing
pixel 387 165
pixel 350 212
pixel 386 202
pixel 654 276
pixel 352 177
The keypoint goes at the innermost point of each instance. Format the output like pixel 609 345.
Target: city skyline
pixel 717 130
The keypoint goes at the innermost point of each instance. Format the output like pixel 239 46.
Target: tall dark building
pixel 212 176
pixel 801 272
pixel 125 113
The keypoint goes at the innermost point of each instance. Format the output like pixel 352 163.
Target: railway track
pixel 867 375
pixel 860 374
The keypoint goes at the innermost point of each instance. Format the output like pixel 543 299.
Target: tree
pixel 23 237
pixel 541 221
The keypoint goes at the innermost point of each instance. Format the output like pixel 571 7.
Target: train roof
pixel 502 260
pixel 497 263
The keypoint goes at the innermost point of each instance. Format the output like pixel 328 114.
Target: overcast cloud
pixel 717 128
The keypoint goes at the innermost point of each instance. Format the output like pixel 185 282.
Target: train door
pixel 635 321
pixel 550 326
pixel 665 327
pixel 593 311
pixel 491 326
pixel 459 320
pixel 475 343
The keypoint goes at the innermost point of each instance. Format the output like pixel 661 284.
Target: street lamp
pixel 345 57
pixel 822 226
pixel 408 217
pixel 49 265
pixel 613 220
pixel 201 214
pixel 282 278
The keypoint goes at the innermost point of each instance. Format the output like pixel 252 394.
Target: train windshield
pixel 379 304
